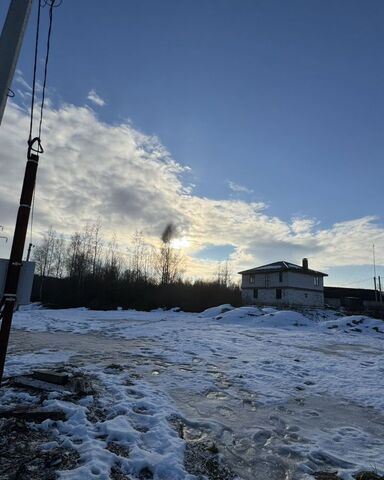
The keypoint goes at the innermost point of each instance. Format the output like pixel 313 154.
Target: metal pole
pixel 10 43
pixel 30 246
pixel 374 271
pixel 8 301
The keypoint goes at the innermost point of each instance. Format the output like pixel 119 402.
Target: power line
pixel 52 4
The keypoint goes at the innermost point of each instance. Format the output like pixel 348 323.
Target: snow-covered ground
pixel 282 394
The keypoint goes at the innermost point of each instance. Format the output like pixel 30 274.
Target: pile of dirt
pixel 360 476
pixel 21 455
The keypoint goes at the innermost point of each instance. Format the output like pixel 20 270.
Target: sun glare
pixel 181 242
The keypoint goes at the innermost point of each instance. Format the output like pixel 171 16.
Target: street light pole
pixel 10 43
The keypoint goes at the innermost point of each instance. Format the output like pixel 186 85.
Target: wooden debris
pixel 51 376
pixel 32 414
pixel 35 384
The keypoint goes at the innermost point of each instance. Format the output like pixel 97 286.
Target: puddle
pixel 277 442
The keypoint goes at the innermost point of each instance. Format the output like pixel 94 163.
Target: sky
pixel 255 126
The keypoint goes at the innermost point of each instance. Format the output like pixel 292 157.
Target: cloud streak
pixel 128 179
pixel 95 98
pixel 235 187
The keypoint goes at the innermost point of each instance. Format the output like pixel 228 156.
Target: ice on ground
pixel 18 364
pixel 280 393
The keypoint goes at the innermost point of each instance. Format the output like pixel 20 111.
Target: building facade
pixel 283 283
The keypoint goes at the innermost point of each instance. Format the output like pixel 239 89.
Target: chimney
pixel 305 263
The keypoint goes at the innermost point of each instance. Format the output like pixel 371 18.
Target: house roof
pixel 283 266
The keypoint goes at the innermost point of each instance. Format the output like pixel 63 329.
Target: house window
pixel 266 281
pixel 255 293
pixel 280 277
pixel 278 293
pixel 251 278
pixel 316 281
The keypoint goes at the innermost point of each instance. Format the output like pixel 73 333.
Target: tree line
pixel 89 271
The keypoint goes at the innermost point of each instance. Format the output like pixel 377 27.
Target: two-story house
pixel 283 283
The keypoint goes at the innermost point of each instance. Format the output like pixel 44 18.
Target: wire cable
pixel 34 71
pixel 51 6
pixel 32 215
pixel 31 141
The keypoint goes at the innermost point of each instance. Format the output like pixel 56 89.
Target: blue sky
pixel 283 99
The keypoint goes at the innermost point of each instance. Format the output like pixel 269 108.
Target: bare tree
pixel 43 254
pixel 48 255
pixel 59 256
pixel 80 254
pixel 169 261
pixel 140 258
pixel 224 274
pixel 113 261
pixel 97 247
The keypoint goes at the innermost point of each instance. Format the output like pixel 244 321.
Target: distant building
pixel 353 298
pixel 283 283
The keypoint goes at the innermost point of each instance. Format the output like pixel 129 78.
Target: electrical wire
pixel 34 71
pixel 52 4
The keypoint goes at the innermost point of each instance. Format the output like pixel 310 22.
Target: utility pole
pixel 374 271
pixel 8 302
pixel 10 43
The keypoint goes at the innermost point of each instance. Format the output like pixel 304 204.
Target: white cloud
pixel 235 187
pixel 128 179
pixel 95 98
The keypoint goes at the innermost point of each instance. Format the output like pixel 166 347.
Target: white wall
pixel 264 279
pixel 290 296
pixel 303 280
pixel 25 283
pixel 304 297
pixel 265 296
